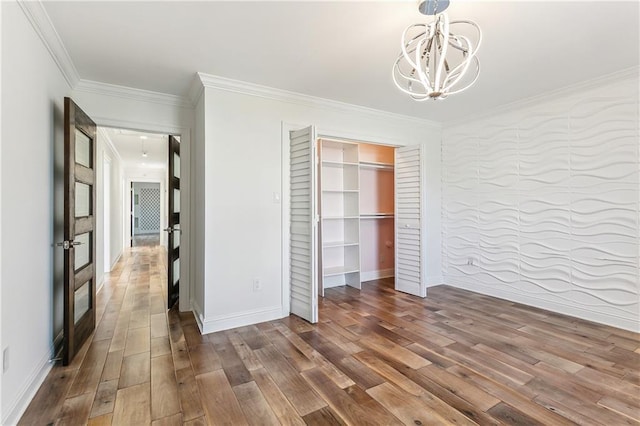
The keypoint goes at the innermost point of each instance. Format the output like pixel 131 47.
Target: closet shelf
pixel 376 215
pixel 333 244
pixel 327 272
pixel 339 217
pixel 376 165
pixel 355 191
pixel 330 163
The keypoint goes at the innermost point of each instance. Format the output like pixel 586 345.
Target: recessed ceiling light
pixel 143 137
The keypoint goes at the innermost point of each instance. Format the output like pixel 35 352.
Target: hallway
pixel 125 374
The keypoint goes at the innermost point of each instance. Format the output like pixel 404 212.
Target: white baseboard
pixel 377 275
pixel 28 391
pixel 113 264
pixel 226 322
pixel 197 313
pixel 390 273
pixel 559 307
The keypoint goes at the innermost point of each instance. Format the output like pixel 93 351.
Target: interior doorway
pixel 124 157
pixel 145 214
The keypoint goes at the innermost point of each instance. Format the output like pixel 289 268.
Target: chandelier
pixel 435 62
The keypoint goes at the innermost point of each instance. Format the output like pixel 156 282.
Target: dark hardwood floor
pixel 376 357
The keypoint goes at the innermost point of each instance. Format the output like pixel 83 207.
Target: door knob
pixel 66 245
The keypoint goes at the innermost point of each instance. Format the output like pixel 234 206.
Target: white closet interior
pixel 356 209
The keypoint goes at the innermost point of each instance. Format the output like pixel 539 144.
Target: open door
pixel 410 225
pixel 303 241
pixel 173 228
pixel 79 229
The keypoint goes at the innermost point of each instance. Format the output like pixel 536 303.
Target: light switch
pixel 276 197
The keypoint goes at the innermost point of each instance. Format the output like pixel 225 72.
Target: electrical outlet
pixel 257 284
pixel 5 360
pixel 471 261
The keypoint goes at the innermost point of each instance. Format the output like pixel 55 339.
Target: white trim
pixel 185 201
pixel 130 179
pixel 195 90
pixel 197 313
pixel 566 91
pixel 237 86
pixel 613 320
pixel 377 275
pixel 41 23
pixel 113 265
pixel 140 95
pixel 141 126
pixel 28 392
pixel 226 322
pixel 102 132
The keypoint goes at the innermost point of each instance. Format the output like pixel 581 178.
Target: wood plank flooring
pixel 376 357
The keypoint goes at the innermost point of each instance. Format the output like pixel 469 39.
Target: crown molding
pixel 624 74
pixel 237 86
pixel 39 19
pixel 142 95
pixel 196 90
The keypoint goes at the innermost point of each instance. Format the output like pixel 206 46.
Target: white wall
pixel 544 200
pixel 198 213
pixel 1 345
pixel 241 153
pixel 116 228
pixel 33 89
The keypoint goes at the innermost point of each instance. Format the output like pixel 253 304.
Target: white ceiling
pixel 130 145
pixel 344 50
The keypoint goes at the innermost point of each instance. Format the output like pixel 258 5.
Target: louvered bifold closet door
pixel 304 229
pixel 409 215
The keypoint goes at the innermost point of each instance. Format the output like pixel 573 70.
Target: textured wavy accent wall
pixel 541 205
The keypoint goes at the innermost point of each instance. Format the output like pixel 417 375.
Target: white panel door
pixel 303 259
pixel 410 225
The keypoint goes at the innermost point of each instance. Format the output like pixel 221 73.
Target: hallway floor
pixel 377 356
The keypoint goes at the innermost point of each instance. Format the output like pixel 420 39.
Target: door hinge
pixel 66 245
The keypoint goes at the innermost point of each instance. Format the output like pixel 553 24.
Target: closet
pixel 356 213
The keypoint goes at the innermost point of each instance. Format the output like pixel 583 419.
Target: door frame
pixel 128 228
pixel 185 198
pixel 342 135
pixel 107 180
